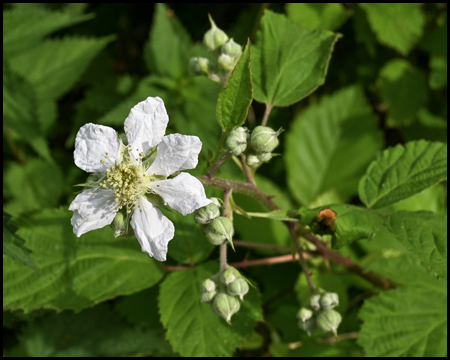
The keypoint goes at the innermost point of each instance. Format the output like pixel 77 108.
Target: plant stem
pixel 216 165
pixel 222 139
pixel 223 247
pixel 266 115
pixel 247 171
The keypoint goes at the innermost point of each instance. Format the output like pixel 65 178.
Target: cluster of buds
pixel 320 313
pixel 217 229
pixel 225 303
pixel 258 146
pixel 227 50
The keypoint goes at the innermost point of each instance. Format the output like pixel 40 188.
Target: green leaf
pixel 24 28
pixel 363 33
pixel 77 272
pixel 403 171
pixel 287 68
pixel 397 25
pixel 236 97
pixel 312 16
pixel 323 138
pixel 192 328
pixel 438 74
pixel 424 234
pixel 408 321
pixel 43 192
pixel 14 245
pixel 432 199
pixel 429 127
pixel 346 223
pixel 404 89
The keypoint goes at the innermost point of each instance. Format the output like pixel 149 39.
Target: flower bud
pixel 228 276
pixel 314 301
pixel 227 62
pixel 215 201
pixel 238 287
pixel 304 314
pixel 264 139
pixel 264 157
pixel 200 66
pixel 232 49
pixel 208 296
pixel 237 141
pixel 328 321
pixel 214 37
pixel 206 214
pixel 307 325
pixel 252 160
pixel 329 301
pixel 225 305
pixel 219 230
pixel 208 285
pixel 120 225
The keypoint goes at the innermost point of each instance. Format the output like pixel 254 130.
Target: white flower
pixel 129 175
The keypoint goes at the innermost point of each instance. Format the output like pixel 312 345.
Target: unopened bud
pixel 206 214
pixel 228 276
pixel 200 66
pixel 252 160
pixel 208 296
pixel 208 285
pixel 215 201
pixel 314 301
pixel 121 226
pixel 214 37
pixel 307 325
pixel 231 48
pixel 264 139
pixel 328 321
pixel 238 287
pixel 304 314
pixel 227 62
pixel 225 306
pixel 329 301
pixel 219 230
pixel 264 157
pixel 237 141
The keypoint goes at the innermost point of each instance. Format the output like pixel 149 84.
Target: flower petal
pixel 146 124
pixel 95 206
pixel 153 230
pixel 185 193
pixel 92 144
pixel 176 152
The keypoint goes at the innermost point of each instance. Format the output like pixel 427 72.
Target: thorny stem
pixel 265 199
pixel 216 165
pixel 266 115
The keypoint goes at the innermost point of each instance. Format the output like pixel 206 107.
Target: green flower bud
pixel 206 214
pixel 304 314
pixel 237 141
pixel 264 157
pixel 252 160
pixel 238 287
pixel 215 201
pixel 264 139
pixel 219 230
pixel 227 62
pixel 121 225
pixel 208 296
pixel 232 49
pixel 307 325
pixel 329 301
pixel 200 66
pixel 314 301
pixel 225 306
pixel 328 321
pixel 214 37
pixel 228 276
pixel 208 285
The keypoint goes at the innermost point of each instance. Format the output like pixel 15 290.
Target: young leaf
pixel 397 25
pixel 289 61
pixel 312 16
pixel 234 100
pixel 78 272
pixel 403 171
pixel 346 223
pixel 192 327
pixel 323 138
pixel 424 234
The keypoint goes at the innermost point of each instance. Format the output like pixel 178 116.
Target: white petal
pixel 96 206
pixel 81 226
pixel 176 152
pixel 152 229
pixel 185 193
pixel 92 144
pixel 146 124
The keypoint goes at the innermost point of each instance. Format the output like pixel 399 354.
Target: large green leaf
pixel 76 272
pixel 424 234
pixel 408 321
pixel 323 138
pixel 397 25
pixel 236 97
pixel 404 89
pixel 312 16
pixel 289 62
pixel 192 328
pixel 346 223
pixel 403 171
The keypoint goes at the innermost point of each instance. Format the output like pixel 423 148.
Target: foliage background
pixel 69 64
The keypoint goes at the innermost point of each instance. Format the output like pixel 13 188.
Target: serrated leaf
pixel 77 272
pixel 323 138
pixel 397 25
pixel 192 328
pixel 236 97
pixel 312 16
pixel 424 234
pixel 346 223
pixel 404 89
pixel 403 171
pixel 24 28
pixel 287 68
